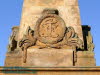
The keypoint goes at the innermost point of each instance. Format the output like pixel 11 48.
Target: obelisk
pixel 68 11
pixel 61 40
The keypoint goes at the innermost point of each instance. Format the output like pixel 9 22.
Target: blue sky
pixel 10 15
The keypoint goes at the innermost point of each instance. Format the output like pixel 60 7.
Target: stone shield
pixel 50 29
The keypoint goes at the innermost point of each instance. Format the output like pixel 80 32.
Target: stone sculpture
pixel 13 40
pixel 50 32
pixel 50 35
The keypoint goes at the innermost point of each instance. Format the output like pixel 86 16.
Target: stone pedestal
pixel 54 26
pixel 49 57
pixel 13 59
pixel 85 58
pixel 50 71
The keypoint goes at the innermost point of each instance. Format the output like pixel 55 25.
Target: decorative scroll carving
pixel 27 41
pixel 72 38
pixel 51 31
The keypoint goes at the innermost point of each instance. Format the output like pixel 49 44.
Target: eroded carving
pixel 13 40
pixel 88 39
pixel 90 45
pixel 50 32
pixel 27 41
pixel 50 26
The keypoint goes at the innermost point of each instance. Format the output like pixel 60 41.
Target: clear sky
pixel 10 15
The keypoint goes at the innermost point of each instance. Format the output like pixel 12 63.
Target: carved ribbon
pixel 27 41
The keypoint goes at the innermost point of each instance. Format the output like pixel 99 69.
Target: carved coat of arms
pixel 50 32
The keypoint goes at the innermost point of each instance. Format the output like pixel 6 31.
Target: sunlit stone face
pixel 51 29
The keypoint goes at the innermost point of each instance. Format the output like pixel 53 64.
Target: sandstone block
pixel 49 58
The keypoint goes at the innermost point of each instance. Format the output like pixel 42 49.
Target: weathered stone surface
pixel 85 58
pixel 68 73
pixel 68 10
pixel 50 31
pixel 88 39
pixel 50 28
pixel 50 2
pixel 13 40
pixel 85 62
pixel 85 54
pixel 49 57
pixel 50 71
pixel 13 59
pixel 50 35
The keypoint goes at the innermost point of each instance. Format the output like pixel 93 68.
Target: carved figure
pixel 50 32
pixel 13 39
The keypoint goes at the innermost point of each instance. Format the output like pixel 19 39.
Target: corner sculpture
pixel 13 40
pixel 50 31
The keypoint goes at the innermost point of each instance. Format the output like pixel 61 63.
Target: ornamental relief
pixel 51 31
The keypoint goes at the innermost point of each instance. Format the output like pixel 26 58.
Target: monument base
pixel 50 71
pixel 42 58
pixel 13 58
pixel 85 58
pixel 49 57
